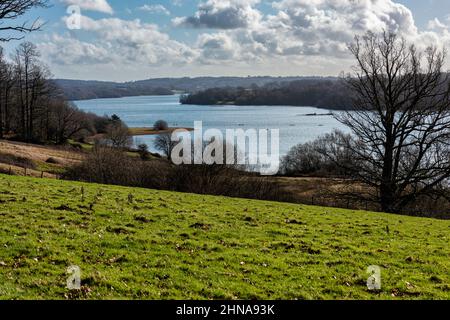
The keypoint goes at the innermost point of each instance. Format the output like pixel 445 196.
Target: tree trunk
pixel 7 125
pixel 1 119
pixel 27 135
pixel 387 186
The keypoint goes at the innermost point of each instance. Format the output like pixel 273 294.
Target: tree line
pixel 83 90
pixel 320 93
pixel 86 89
pixel 32 108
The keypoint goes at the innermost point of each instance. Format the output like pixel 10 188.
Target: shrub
pixel 112 166
pixel 160 125
pixel 328 156
pixel 143 151
pixel 118 135
pixel 52 161
pixel 224 180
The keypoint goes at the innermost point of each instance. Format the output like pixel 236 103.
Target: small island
pixel 316 114
pixel 152 131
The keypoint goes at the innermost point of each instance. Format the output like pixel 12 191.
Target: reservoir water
pixel 296 124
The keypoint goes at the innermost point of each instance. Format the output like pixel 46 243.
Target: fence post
pixel 25 171
pixel 10 170
pixel 42 174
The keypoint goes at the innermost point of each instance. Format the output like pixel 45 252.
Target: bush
pixel 326 156
pixel 118 135
pixel 160 125
pixel 52 161
pixel 104 165
pixel 112 166
pixel 100 123
pixel 143 151
pixel 225 181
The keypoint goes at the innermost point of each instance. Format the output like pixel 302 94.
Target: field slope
pixel 146 244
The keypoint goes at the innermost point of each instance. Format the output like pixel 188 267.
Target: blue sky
pixel 423 11
pixel 129 40
pixel 426 10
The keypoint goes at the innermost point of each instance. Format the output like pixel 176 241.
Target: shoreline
pixel 143 131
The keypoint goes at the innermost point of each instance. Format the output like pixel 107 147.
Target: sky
pixel 118 40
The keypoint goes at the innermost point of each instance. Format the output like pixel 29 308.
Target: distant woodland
pixel 85 90
pixel 320 93
pixel 82 90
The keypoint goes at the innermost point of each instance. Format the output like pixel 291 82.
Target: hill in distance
pixel 83 90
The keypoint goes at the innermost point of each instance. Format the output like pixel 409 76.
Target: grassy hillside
pixel 145 244
pixel 53 160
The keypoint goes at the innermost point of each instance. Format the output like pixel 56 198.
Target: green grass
pixel 50 168
pixel 165 245
pixel 84 146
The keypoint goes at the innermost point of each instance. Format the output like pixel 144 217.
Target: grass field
pixel 146 244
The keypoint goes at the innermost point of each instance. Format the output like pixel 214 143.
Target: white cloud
pixel 438 33
pixel 155 8
pixel 118 42
pixel 222 14
pixel 177 3
pixel 436 24
pixel 64 50
pixel 92 5
pixel 298 28
pixel 299 37
pixel 325 27
pixel 216 47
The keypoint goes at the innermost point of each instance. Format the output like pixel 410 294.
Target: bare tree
pixel 6 86
pixel 32 84
pixel 11 10
pixel 325 156
pixel 66 120
pixel 400 120
pixel 164 143
pixel 118 135
pixel 32 107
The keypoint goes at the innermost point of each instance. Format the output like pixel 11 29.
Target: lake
pixel 296 124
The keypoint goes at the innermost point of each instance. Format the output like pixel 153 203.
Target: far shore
pixel 151 131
